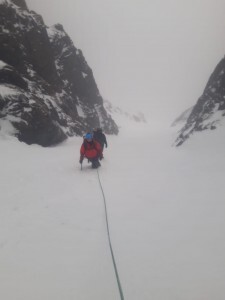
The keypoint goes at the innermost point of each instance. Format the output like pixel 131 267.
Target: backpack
pixel 93 145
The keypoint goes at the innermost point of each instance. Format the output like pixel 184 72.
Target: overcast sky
pixel 149 55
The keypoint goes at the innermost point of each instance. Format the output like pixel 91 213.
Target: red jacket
pixel 91 150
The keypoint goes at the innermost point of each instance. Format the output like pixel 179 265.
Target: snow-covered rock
pixel 209 111
pixel 51 77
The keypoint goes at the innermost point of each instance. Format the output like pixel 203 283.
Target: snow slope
pixel 166 213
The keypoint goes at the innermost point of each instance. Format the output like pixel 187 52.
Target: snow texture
pixel 166 213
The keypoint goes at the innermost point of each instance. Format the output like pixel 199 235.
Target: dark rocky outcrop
pixel 210 107
pixel 55 92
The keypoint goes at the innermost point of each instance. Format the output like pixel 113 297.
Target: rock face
pixel 54 91
pixel 210 107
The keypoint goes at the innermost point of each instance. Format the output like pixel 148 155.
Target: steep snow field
pixel 166 209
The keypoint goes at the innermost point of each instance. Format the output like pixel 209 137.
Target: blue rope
pixel 110 244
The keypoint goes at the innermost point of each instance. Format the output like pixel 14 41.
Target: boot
pixel 95 164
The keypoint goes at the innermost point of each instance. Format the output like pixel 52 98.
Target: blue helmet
pixel 88 136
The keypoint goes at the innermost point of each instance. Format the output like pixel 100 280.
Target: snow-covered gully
pixel 165 208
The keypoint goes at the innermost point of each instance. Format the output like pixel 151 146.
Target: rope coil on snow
pixel 110 244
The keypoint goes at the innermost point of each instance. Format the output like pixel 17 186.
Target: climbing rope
pixel 110 244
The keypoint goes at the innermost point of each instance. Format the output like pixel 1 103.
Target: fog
pixel 150 56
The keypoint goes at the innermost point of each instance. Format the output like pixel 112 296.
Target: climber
pixel 91 150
